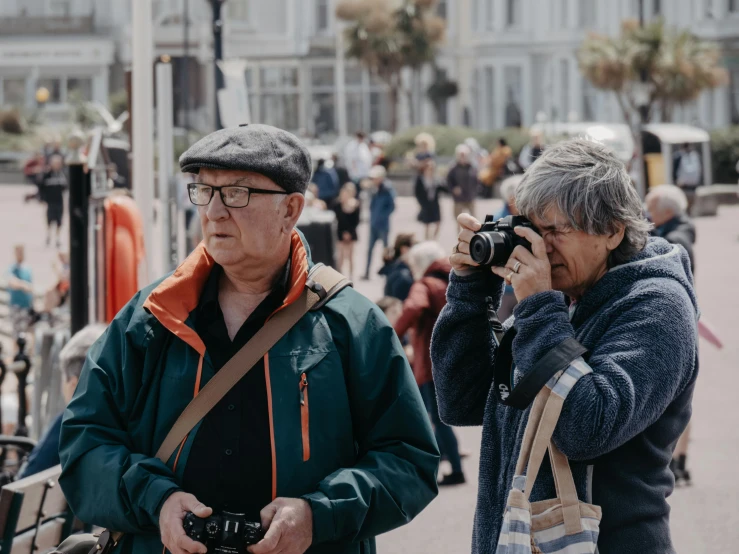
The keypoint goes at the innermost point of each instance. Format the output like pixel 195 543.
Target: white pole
pixel 340 79
pixel 142 105
pixel 166 154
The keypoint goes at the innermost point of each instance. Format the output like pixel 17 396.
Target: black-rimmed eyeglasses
pixel 232 196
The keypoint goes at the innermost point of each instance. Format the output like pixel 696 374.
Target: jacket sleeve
pixel 639 365
pixel 462 347
pixel 104 480
pixel 413 307
pixel 394 477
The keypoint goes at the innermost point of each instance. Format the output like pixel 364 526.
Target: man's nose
pixel 217 210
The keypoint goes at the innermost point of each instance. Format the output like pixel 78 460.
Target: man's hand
pixel 289 524
pixel 457 192
pixel 170 523
pixel 528 272
pixel 460 258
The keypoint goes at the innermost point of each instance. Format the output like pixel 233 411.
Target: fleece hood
pixel 658 260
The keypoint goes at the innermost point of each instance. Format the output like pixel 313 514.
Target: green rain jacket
pixel 360 450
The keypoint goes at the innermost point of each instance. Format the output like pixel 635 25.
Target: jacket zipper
pixel 304 416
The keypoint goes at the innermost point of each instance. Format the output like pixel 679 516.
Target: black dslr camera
pixel 223 533
pixel 495 241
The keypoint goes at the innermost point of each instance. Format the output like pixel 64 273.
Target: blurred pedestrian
pixel 347 219
pixel 340 169
pixel 34 170
pixel 45 454
pixel 427 190
pixel 382 205
pixel 667 205
pixel 20 286
pixel 461 180
pixel 531 152
pixel 57 294
pixel 425 151
pixel 495 167
pixel 397 272
pixel 54 184
pixel 689 171
pixel 421 309
pixel 327 181
pixel 358 158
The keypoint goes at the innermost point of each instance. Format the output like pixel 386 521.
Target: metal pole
pixel 340 80
pixel 166 156
pixel 641 184
pixel 79 194
pixel 143 117
pixel 217 54
pixel 185 75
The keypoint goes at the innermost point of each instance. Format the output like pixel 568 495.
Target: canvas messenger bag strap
pixel 323 283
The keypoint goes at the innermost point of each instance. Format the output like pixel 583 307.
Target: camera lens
pixel 481 248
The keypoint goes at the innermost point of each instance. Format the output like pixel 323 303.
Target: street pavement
pixel 705 517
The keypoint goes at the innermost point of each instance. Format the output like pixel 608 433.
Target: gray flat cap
pixel 263 149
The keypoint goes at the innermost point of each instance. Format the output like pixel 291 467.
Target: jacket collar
pixel 176 296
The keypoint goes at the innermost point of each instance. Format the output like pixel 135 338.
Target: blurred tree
pixel 678 66
pixel 118 102
pixel 387 36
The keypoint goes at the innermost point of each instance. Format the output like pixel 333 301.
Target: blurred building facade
pixel 514 60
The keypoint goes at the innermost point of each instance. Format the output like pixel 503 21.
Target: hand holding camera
pixel 511 247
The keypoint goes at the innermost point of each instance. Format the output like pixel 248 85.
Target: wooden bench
pixel 34 515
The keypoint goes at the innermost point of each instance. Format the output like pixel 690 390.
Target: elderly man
pixel 71 359
pixel 593 280
pixel 324 475
pixel 667 205
pixel 462 181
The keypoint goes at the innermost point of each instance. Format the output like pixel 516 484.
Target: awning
pixel 673 133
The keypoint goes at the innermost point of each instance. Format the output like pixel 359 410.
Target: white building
pixel 512 59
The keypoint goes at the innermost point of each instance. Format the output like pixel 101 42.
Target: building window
pixel 280 97
pixel 489 16
pixel 442 10
pixel 589 101
pixel 238 9
pixel 59 8
pixel 587 14
pixel 322 15
pixel 513 13
pixel 564 13
pixel 475 14
pixel 513 79
pixel 733 6
pixel 54 86
pixel 79 88
pixel 322 100
pixel 656 8
pixel 490 98
pixel 564 102
pixel 14 91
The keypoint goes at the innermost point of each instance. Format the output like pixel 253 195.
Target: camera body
pixel 224 533
pixel 493 244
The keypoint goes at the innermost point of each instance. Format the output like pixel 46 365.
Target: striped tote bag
pixel 562 525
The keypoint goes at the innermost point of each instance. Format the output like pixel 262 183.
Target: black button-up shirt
pixel 230 464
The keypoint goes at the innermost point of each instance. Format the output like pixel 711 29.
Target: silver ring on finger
pixel 515 267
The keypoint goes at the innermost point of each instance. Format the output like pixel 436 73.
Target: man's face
pixel 253 234
pixel 20 254
pixel 56 163
pixel 463 158
pixel 578 259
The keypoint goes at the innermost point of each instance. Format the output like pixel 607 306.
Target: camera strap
pixel 523 394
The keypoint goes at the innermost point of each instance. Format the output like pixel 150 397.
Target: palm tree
pixel 677 65
pixel 387 36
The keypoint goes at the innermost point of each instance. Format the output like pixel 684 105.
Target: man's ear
pixel 294 204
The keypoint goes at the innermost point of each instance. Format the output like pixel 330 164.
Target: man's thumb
pixel 193 505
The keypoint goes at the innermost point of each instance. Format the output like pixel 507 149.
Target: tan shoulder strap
pixel 323 283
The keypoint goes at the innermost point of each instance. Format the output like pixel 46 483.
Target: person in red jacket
pixel 427 297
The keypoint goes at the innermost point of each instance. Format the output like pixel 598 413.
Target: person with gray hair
pixel 667 206
pixel 616 308
pixel 71 359
pixel 461 180
pixel 420 311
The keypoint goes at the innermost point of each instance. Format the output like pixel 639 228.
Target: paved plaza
pixel 705 517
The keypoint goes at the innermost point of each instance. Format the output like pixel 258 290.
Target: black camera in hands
pixel 223 533
pixel 495 241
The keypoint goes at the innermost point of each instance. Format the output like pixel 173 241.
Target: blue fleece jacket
pixel 619 425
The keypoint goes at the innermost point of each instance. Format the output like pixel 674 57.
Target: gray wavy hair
pixel 592 188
